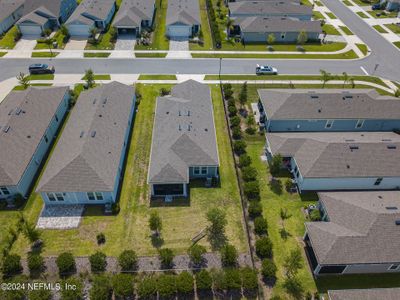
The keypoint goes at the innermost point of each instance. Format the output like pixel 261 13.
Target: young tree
pixel 184 283
pixel 302 37
pixel 268 269
pixel 293 263
pixel 65 263
pixel 264 247
pixel 217 219
pixel 166 257
pixel 325 77
pixel 98 262
pixel 229 255
pixel 345 78
pixel 203 280
pixel 244 160
pixel 275 165
pixel 243 95
pixel 260 226
pixel 127 260
pixel 271 39
pixel 155 222
pixel 23 80
pixel 89 78
pixel 166 286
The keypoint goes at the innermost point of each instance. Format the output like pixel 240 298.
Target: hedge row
pixel 213 24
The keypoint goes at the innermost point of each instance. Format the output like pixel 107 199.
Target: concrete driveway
pixel 24 47
pixel 179 48
pixel 76 44
pixel 125 42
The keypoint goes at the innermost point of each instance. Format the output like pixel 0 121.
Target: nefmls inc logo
pixel 34 286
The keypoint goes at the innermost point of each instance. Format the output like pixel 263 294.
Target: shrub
pixel 203 280
pixel 288 184
pixel 101 238
pixel 252 190
pixel 244 160
pixel 229 255
pixel 98 262
pixel 268 269
pixel 239 147
pixel 217 219
pixel 249 173
pixel 227 86
pixel 235 121
pixel 101 288
pixel 40 294
pixel 65 263
pixel 228 93
pixel 166 285
pixel 236 133
pixel 231 102
pixel 127 260
pixel 115 208
pixel 122 285
pixel 249 279
pixel 264 247
pixel 72 294
pixel 254 209
pixel 315 215
pixel 12 264
pixel 35 262
pixel 232 110
pixel 196 253
pixel 232 279
pixel 184 283
pixel 275 164
pixel 260 226
pixel 147 288
pixel 250 130
pixel 166 257
pixel 164 91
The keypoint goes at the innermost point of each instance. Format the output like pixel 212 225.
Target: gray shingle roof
pixel 81 162
pixel 361 228
pixel 365 294
pixel 28 114
pixel 333 155
pixel 266 8
pixel 132 12
pixel 263 24
pixel 183 11
pixel 7 7
pixel 328 104
pixel 175 147
pixel 53 6
pixel 90 10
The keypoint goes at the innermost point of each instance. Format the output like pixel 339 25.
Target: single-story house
pixel 365 294
pixel 29 120
pixel 359 234
pixel 304 110
pixel 39 15
pixel 183 18
pixel 87 164
pixel 90 14
pixel 134 15
pixel 285 30
pixel 391 5
pixel 269 9
pixel 184 145
pixel 10 12
pixel 321 161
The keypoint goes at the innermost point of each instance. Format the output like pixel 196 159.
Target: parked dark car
pixel 41 69
pixel 376 6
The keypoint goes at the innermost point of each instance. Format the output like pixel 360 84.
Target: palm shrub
pixel 127 260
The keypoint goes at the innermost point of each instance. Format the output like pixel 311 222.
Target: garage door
pixel 78 30
pixel 179 31
pixel 30 29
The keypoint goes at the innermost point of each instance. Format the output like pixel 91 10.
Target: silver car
pixel 266 70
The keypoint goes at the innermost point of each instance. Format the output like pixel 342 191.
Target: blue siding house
pixel 324 110
pixel 10 12
pixel 87 164
pixel 29 121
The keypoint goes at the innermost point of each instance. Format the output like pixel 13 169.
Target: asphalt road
pixel 383 53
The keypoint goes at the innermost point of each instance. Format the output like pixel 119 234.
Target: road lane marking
pixel 365 71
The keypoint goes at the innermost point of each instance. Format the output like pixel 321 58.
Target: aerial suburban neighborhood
pixel 199 149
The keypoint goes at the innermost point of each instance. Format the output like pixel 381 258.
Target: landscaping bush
pixel 184 283
pixel 98 262
pixel 260 226
pixel 236 133
pixel 127 260
pixel 35 263
pixel 264 247
pixel 40 294
pixel 65 263
pixel 101 288
pixel 275 164
pixel 72 294
pixel 244 161
pixel 232 110
pixel 233 280
pixel 228 93
pixel 166 257
pixel 203 281
pixel 249 173
pixel 123 285
pixel 147 288
pixel 101 238
pixel 239 147
pixel 164 91
pixel 231 102
pixel 229 255
pixel 166 285
pixel 249 279
pixel 196 254
pixel 288 184
pixel 315 215
pixel 268 269
pixel 250 130
pixel 115 208
pixel 213 24
pixel 254 209
pixel 235 121
pixel 11 265
pixel 252 190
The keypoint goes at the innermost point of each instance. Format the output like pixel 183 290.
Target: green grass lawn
pixel 317 15
pixel 151 55
pixel 58 37
pixel 363 48
pixel 379 28
pixel 384 14
pixel 156 77
pixel 364 2
pixel 41 77
pixel 331 15
pixel 362 15
pixel 317 3
pixel 2 54
pixel 8 221
pixel 311 47
pixel 160 42
pixel 348 3
pixel 346 30
pixel 21 88
pixel 330 29
pixel 182 220
pixel 45 54
pixel 7 40
pixel 205 28
pixel 394 28
pixel 97 54
pixel 100 77
pixel 397 44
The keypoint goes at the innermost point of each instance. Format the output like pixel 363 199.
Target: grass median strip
pixel 362 15
pixel 346 30
pixel 394 28
pixel 97 54
pixel 363 48
pixel 2 54
pixel 44 54
pixel 41 77
pixel 157 77
pixel 331 15
pixel 100 77
pixel 379 28
pixel 151 55
pixel 397 44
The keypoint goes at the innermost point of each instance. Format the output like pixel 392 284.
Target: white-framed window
pixel 196 170
pixel 99 196
pixel 204 170
pixel 360 124
pixel 51 197
pixel 95 196
pixel 91 196
pixel 329 124
pixel 394 267
pixel 59 197
pixel 4 191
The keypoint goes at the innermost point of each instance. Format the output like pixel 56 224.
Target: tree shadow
pixel 217 240
pixel 157 241
pixel 294 287
pixel 284 234
pixel 276 186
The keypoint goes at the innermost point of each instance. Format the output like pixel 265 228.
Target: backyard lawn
pixel 182 220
